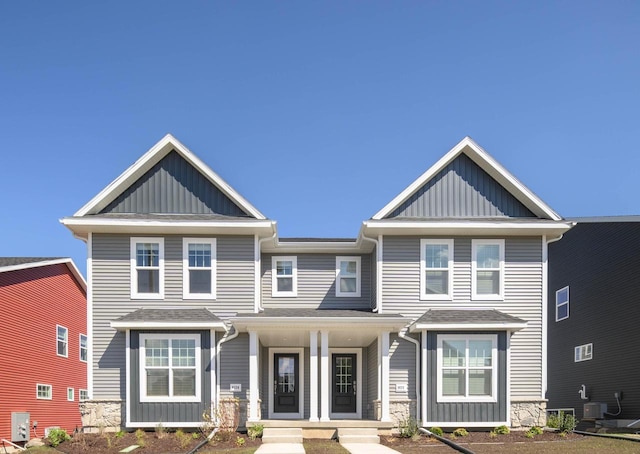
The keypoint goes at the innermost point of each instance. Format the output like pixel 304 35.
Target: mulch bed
pixel 515 436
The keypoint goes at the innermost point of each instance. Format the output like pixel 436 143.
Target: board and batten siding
pixel 402 368
pixel 371 353
pixel 317 284
pixel 111 290
pixel 522 296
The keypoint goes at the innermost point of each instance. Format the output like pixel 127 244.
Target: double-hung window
pixel 284 276
pixel 487 282
pixel 583 353
pixel 562 304
pixel 348 276
pixel 170 368
pixel 436 262
pixel 199 268
pixel 62 341
pixel 147 268
pixel 83 348
pixel 467 368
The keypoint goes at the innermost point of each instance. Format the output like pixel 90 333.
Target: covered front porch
pixel 318 367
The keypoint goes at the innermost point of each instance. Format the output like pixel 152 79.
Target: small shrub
pixel 436 431
pixel 161 431
pixel 493 434
pixel 564 422
pixel 255 431
pixel 57 436
pixel 223 436
pixel 460 432
pixel 239 441
pixel 195 435
pixel 533 431
pixel 408 427
pixel 183 438
pixel 120 434
pixel 528 434
pixel 140 437
pixel 501 430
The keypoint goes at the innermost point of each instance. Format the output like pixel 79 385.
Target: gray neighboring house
pixel 594 313
pixel 436 310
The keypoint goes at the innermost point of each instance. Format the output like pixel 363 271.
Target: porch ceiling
pixel 300 338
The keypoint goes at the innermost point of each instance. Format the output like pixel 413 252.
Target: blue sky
pixel 318 112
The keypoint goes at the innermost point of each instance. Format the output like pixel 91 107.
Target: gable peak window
pixel 562 304
pixel 487 281
pixel 199 268
pixel 348 276
pixel 284 276
pixel 147 268
pixel 436 262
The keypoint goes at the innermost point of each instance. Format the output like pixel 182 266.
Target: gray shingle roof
pixel 170 217
pixel 467 316
pixel 170 315
pixel 13 261
pixel 311 313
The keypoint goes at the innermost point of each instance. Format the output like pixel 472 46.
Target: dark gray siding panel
pixel 168 412
pixel 174 186
pixel 234 367
pixel 466 412
pixel 462 189
pixel 600 262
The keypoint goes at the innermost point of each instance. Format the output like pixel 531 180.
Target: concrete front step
pixel 358 435
pixel 281 435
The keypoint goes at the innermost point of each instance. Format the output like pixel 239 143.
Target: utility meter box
pixel 594 410
pixel 20 426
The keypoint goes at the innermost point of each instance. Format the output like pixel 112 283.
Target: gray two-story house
pixel 437 310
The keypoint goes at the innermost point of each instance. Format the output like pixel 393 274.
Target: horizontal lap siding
pixel 316 284
pixel 112 296
pixel 523 296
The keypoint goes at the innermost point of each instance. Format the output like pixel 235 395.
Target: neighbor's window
pixel 62 337
pixel 83 348
pixel 84 395
pixel 487 268
pixel 199 268
pixel 436 260
pixel 284 276
pixel 348 276
pixel 583 352
pixel 467 368
pixel 70 395
pixel 170 365
pixel 562 304
pixel 147 268
pixel 44 391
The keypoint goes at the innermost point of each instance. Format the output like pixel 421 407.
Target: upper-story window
pixel 62 341
pixel 348 276
pixel 284 276
pixel 199 268
pixel 436 262
pixel 562 304
pixel 583 353
pixel 147 268
pixel 487 281
pixel 83 348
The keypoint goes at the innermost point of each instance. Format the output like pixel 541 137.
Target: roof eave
pixel 124 325
pixel 467 326
pixel 332 322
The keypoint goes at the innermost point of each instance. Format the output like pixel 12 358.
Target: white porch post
pixel 313 379
pixel 423 380
pixel 324 375
pixel 254 347
pixel 384 351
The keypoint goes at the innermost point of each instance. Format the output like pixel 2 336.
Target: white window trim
pixel 474 270
pixel 494 367
pixel 423 269
pixel 50 391
pixel 274 277
pixel 562 304
pixel 71 395
pixel 66 330
pixel 143 375
pixel 579 356
pixel 185 269
pixel 134 275
pixel 80 348
pixel 358 261
pixel 85 392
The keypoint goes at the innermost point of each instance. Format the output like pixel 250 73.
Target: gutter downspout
pixel 225 338
pixel 258 262
pixel 403 335
pixel 378 272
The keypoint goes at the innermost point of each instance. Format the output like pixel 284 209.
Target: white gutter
pixel 403 335
pixel 258 262
pixel 225 338
pixel 378 244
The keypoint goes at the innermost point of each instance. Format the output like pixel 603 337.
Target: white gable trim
pixel 478 155
pixel 146 162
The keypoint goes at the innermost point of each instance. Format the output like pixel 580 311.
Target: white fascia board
pixel 122 326
pixel 465 227
pixel 468 326
pixel 352 247
pixel 489 165
pixel 151 158
pixel 319 322
pixel 67 261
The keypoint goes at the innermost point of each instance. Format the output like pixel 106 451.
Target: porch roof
pixel 319 318
pixel 168 319
pixel 467 319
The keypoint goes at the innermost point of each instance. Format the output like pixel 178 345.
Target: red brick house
pixel 43 353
